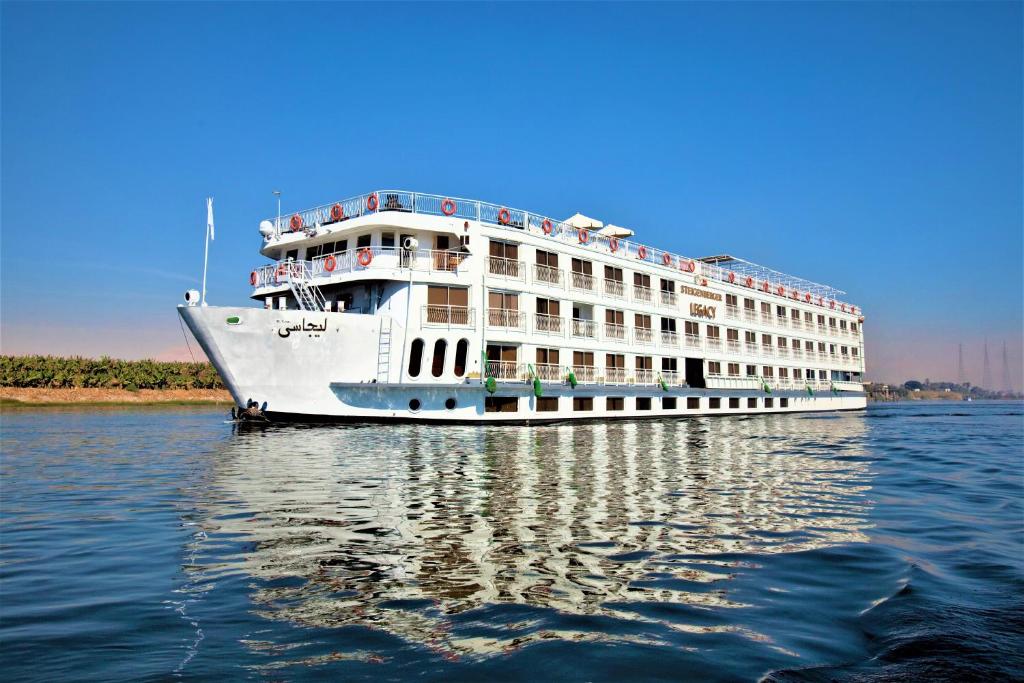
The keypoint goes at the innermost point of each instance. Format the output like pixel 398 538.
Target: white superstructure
pixel 396 305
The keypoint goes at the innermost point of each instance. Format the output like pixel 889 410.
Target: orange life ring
pixel 821 301
pixel 296 222
pixel 843 307
pixel 641 252
pixel 666 258
pixel 279 273
pixel 371 202
pixel 796 294
pixel 853 309
pixel 613 244
pixel 749 281
pixel 448 207
pixel 337 213
pixel 780 290
pixel 253 278
pixel 365 257
pixel 732 278
pixel 807 297
pixel 583 235
pixel 691 266
pixel 832 304
pixel 546 226
pixel 330 263
pixel 504 216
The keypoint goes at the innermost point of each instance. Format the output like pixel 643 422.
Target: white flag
pixel 209 215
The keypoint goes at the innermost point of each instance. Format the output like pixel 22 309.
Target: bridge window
pixel 461 351
pixel 415 358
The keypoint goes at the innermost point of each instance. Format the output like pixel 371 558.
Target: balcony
pixel 733 382
pixel 691 341
pixel 672 378
pixel 797 353
pixel 615 375
pixel 323 269
pixel 767 319
pixel 783 352
pixel 733 346
pixel 585 373
pixel 644 377
pixel 732 313
pixel 614 331
pixel 767 351
pixel 669 338
pixel 506 268
pixel 506 318
pixel 750 315
pixel 434 315
pixel 581 282
pixel 713 344
pixel 781 321
pixel 668 299
pixel 643 335
pixel 615 289
pixel 751 348
pixel 550 372
pixel 641 293
pixel 548 324
pixel 503 370
pixel 584 328
pixel 547 275
pixel 796 324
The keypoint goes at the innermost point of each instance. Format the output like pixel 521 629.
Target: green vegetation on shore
pixel 104 373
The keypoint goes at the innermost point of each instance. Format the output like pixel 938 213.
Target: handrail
pixel 764 280
pixel 363 258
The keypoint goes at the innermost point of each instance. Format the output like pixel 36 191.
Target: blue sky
pixel 875 147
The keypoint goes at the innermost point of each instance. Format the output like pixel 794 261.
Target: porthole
pixel 414 405
pixel 450 404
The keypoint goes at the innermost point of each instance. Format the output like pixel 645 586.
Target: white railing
pixel 547 324
pixel 323 268
pixel 584 328
pixel 783 352
pixel 669 338
pixel 550 372
pixel 796 323
pixel 767 319
pixel 615 375
pixel 733 346
pixel 750 315
pixel 691 341
pixel 732 313
pixel 713 344
pixel 615 288
pixel 506 267
pixel 309 221
pixel 668 298
pixel 644 376
pixel 782 321
pixel 719 382
pixel 505 317
pixel 643 335
pixel 503 369
pixel 435 315
pixel 547 275
pixel 582 281
pixel 614 331
pixel 767 351
pixel 671 377
pixel 751 348
pixel 585 373
pixel 641 293
pixel 797 353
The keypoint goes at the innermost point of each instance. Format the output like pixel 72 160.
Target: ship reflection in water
pixel 402 528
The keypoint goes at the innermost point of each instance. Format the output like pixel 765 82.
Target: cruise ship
pixel 404 306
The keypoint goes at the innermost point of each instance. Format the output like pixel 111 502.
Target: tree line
pixel 105 373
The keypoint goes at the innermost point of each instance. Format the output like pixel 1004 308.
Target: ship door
pixel 405 255
pixel 695 373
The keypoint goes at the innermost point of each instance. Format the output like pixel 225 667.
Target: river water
pixel 153 544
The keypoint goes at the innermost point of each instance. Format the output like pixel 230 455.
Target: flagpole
pixel 206 249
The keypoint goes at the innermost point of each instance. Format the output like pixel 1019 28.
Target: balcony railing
pixel 641 293
pixel 751 348
pixel 719 382
pixel 732 313
pixel 615 288
pixel 669 338
pixel 750 315
pixel 797 353
pixel 505 317
pixel 643 335
pixel 668 298
pixel 308 222
pixel 448 316
pixel 767 319
pixel 584 328
pixel 796 324
pixel 503 369
pixel 506 267
pixel 781 321
pixel 733 346
pixel 615 375
pixel 783 352
pixel 714 344
pixel 644 376
pixel 585 373
pixel 547 324
pixel 671 377
pixel 547 275
pixel 767 351
pixel 322 268
pixel 691 341
pixel 614 331
pixel 582 282
pixel 550 372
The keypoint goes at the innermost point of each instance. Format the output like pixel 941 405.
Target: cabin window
pixel 766 340
pixel 669 364
pixel 768 371
pixel 548 307
pixel 693 403
pixel 783 402
pixel 642 280
pixel 734 403
pixel 692 329
pixel 734 369
pixel 362 241
pixel 547 258
pixel 780 311
pixel 461 351
pixel 501 404
pixel 668 403
pixel 612 273
pixel 291 255
pixel 547 357
pixel 732 335
pixel 714 367
pixel 798 374
pixel 750 337
pixel 667 285
pixel 731 300
pixel 437 366
pixel 808 317
pixel 769 403
pixel 643 403
pixel 751 371
pixel 713 332
pixel 504 250
pixel 668 324
pixel 715 403
pixel 448 305
pixel 547 404
pixel 642 321
pixel 387 239
pixel 615 403
pixel 748 304
pixel 582 403
pixel 581 266
pixel 644 363
pixel 415 357
pixel 794 314
pixel 766 308
pixel 809 346
pixel 751 402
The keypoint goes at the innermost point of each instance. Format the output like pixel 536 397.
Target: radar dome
pixel 266 228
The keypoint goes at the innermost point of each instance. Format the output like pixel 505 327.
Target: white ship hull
pixel 324 366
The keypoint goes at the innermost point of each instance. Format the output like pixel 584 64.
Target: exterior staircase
pixel 307 294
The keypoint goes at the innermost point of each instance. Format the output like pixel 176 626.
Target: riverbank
pixel 14 397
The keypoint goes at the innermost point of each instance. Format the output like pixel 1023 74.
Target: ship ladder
pixel 384 351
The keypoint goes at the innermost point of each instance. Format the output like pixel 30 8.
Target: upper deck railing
pixel 735 271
